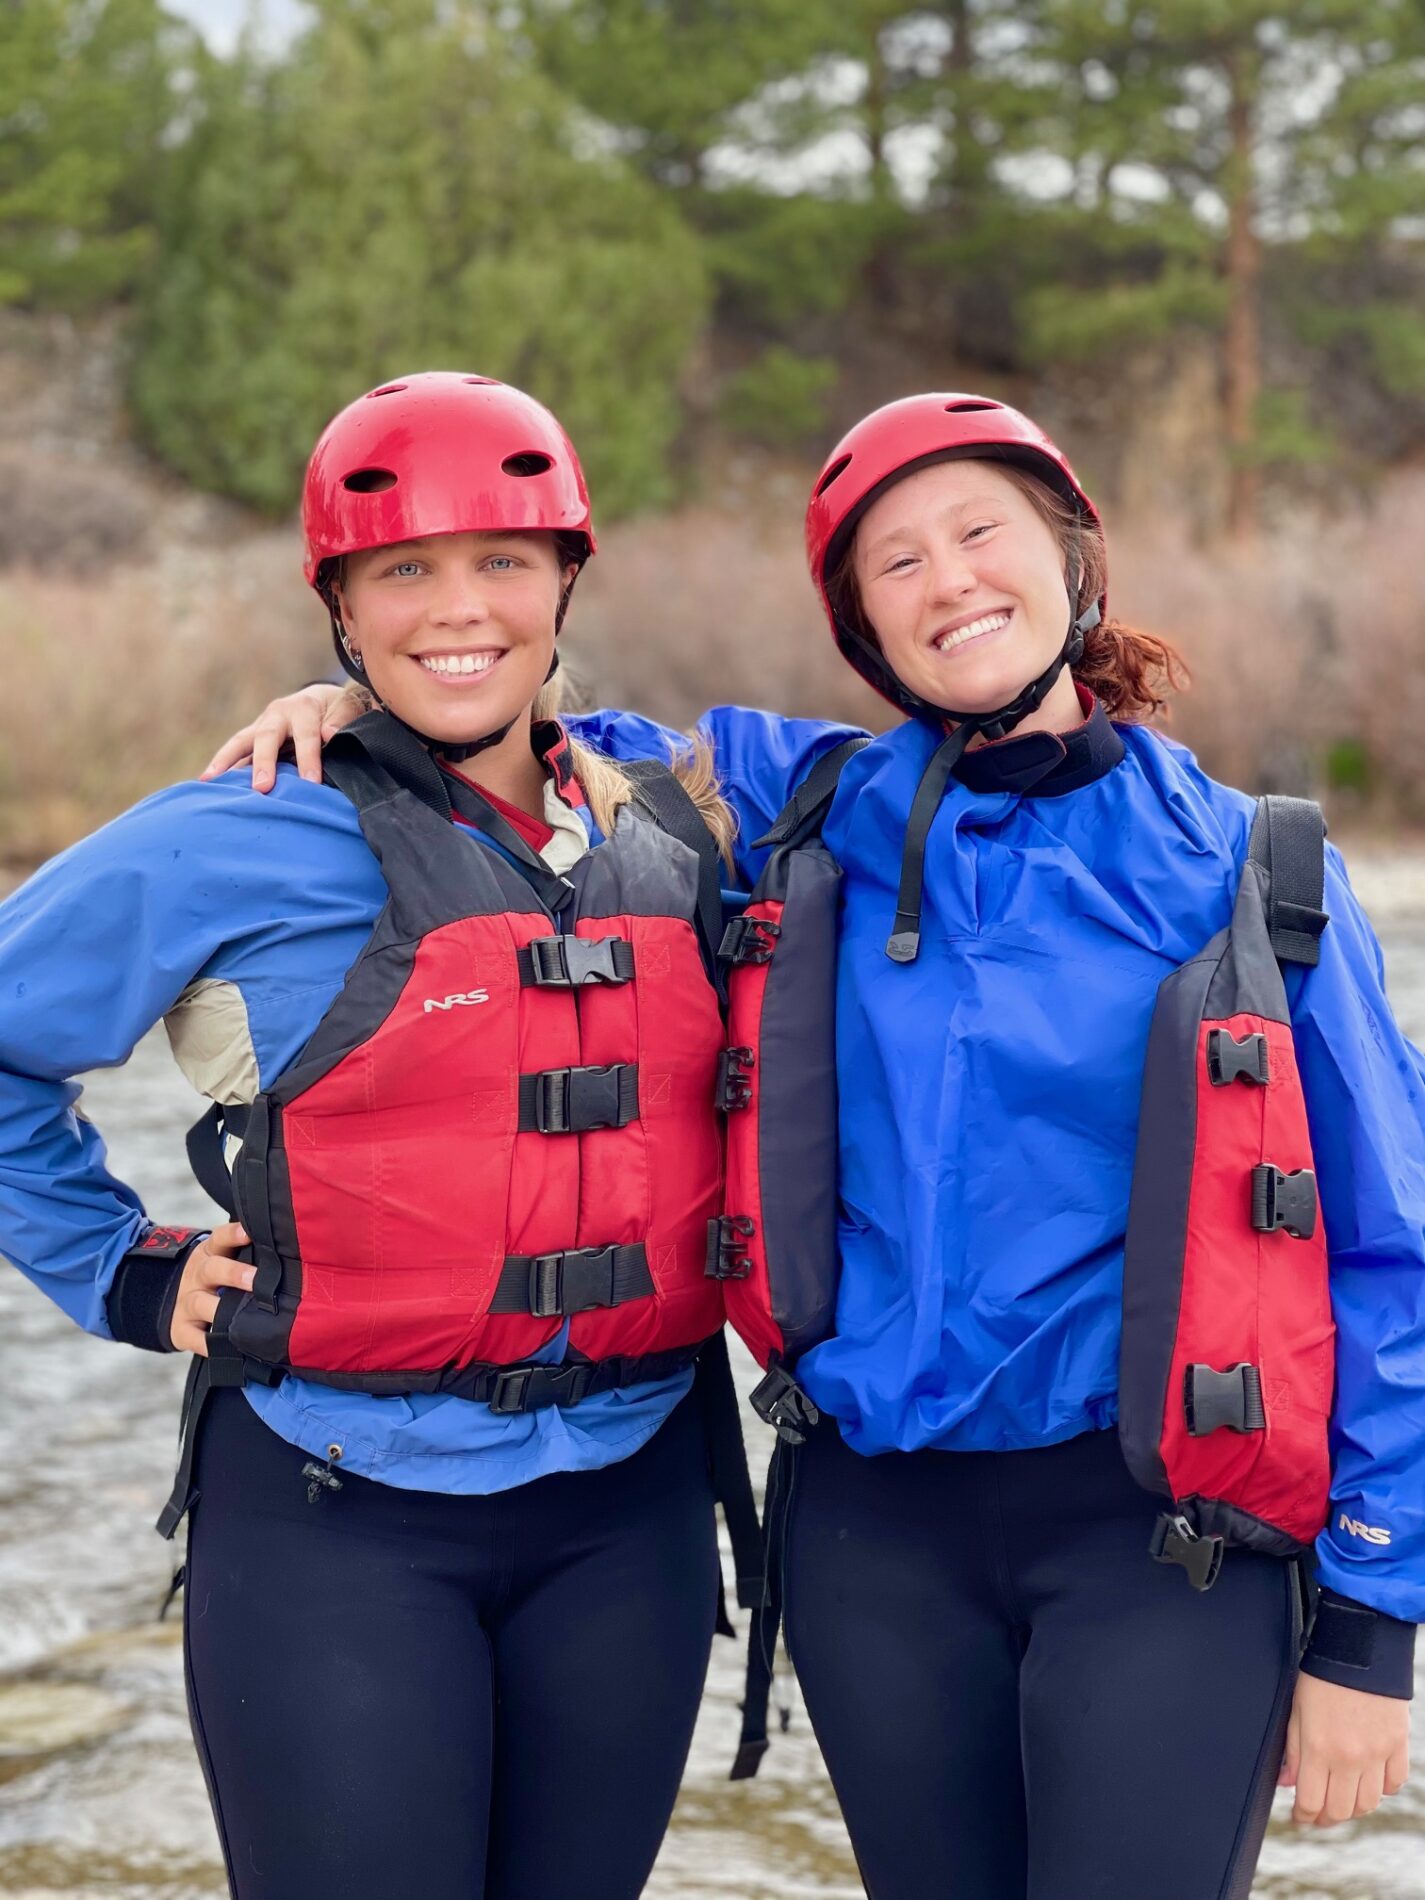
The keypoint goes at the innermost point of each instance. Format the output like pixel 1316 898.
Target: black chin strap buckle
pixel 781 1403
pixel 1174 1541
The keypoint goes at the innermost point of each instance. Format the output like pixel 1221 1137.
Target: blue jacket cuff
pixel 1360 1648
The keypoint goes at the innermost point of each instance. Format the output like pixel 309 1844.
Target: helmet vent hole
pixel 837 468
pixel 369 481
pixel 531 462
pixel 967 408
pixel 486 382
pixel 391 389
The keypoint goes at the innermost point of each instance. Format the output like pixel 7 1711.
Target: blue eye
pixel 507 559
pixel 406 567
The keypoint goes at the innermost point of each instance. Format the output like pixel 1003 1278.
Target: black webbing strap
pixel 547 1284
pixel 766 1620
pixel 474 809
pixel 375 754
pixel 573 1101
pixel 903 946
pixel 224 1365
pixel 529 1388
pixel 206 1156
pixel 1288 841
pixel 732 1482
pixel 673 809
pixel 807 806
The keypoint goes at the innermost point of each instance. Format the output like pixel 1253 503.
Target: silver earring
pixel 352 655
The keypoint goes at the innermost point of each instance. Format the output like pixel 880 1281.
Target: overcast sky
pixel 220 21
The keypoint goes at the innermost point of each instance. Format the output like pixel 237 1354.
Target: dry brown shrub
pixel 68 516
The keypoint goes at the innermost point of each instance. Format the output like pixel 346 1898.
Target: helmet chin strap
pixel 903 945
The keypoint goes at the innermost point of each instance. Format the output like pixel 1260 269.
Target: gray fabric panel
pixel 1249 979
pixel 796 1130
pixel 1156 1240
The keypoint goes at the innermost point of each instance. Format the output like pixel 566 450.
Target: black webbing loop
pixel 205 1142
pixel 662 794
pixel 903 945
pixel 732 1482
pixel 182 1497
pixel 573 1101
pixel 766 1620
pixel 812 796
pixel 1288 841
pixel 549 1284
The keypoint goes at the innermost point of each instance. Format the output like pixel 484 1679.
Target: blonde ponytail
pixel 607 787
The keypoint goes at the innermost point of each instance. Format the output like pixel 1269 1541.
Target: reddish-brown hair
pixel 1130 672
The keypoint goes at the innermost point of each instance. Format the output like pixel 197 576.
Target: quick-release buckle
pixel 1228 1059
pixel 1174 1541
pixel 734 1079
pixel 782 1404
pixel 507 1393
pixel 566 962
pixel 573 1101
pixel 728 1258
pixel 1284 1200
pixel 546 1285
pixel 1215 1400
pixel 749 940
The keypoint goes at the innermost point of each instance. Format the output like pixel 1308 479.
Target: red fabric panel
pixel 749 1301
pixel 1254 1297
pixel 418 1128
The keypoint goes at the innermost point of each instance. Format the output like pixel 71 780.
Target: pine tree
pixel 404 191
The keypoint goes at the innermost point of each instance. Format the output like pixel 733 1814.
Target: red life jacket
pixel 775 1246
pixel 1228 1343
pixel 504 1121
pixel 1228 1355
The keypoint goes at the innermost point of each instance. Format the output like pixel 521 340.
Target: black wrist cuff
pixel 139 1304
pixel 1360 1648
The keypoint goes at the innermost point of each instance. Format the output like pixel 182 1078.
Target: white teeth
pixel 451 663
pixel 987 623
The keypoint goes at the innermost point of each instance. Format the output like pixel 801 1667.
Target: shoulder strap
pixel 1288 841
pixel 674 810
pixel 806 808
pixel 375 753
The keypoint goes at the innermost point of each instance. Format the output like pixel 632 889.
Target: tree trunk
pixel 1243 262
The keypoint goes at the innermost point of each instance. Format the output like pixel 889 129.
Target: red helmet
pixel 439 453
pixel 893 440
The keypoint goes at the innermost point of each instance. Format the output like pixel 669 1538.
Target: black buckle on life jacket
pixel 1174 1541
pixel 1212 1400
pixel 1284 1200
pixel 734 1079
pixel 781 1403
pixel 572 1101
pixel 749 940
pixel 566 962
pixel 728 1235
pixel 529 1388
pixel 1228 1059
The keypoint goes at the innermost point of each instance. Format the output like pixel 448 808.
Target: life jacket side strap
pixel 1288 842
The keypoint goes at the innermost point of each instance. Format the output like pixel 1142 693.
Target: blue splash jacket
pixel 989 1097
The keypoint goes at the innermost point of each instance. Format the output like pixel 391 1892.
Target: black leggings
pixel 1014 1701
pixel 403 1695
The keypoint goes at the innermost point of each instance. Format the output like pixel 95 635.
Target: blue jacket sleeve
pixel 761 759
pixel 1365 1094
pixel 94 950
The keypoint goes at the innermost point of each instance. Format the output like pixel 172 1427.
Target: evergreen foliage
pixel 657 213
pixel 404 191
pixel 87 97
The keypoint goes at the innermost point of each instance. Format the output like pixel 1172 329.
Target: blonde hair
pixel 608 788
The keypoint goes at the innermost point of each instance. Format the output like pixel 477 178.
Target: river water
pixel 100 1793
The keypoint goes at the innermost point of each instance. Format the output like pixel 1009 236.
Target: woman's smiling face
pixel 455 631
pixel 962 580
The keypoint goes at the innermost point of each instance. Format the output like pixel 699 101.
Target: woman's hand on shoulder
pixel 1345 1750
pixel 304 720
